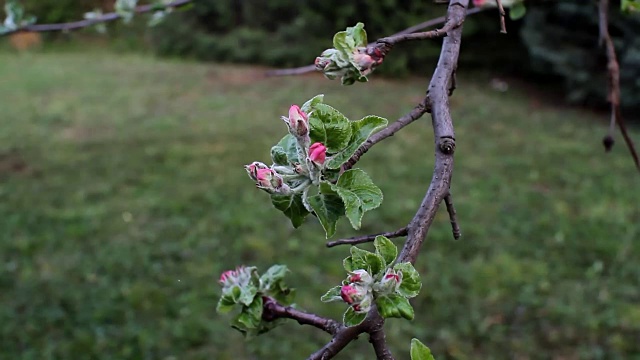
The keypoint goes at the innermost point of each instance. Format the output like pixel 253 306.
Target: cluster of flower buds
pixel 238 277
pixel 267 179
pixel 357 291
pixel 295 177
pixel 364 59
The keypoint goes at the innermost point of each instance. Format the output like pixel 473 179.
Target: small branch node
pixel 447 145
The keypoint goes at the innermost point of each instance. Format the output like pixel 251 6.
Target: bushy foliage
pixel 55 11
pixel 562 39
pixel 289 33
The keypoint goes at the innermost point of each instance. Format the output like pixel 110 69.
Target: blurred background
pixel 123 196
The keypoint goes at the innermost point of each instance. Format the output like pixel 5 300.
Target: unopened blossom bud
pixel 252 169
pixel 322 63
pixel 390 282
pixel 241 276
pixel 318 153
pixel 298 122
pixel 364 305
pixel 364 62
pixel 353 293
pixel 360 277
pixel 268 179
pixel 227 277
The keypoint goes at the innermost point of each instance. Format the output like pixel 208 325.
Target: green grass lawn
pixel 123 197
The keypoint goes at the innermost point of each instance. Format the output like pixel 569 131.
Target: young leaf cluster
pixel 305 175
pixel 349 58
pixel 244 289
pixel 376 278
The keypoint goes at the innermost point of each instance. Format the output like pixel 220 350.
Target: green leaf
pixel 332 295
pixel 347 263
pixel 411 284
pixel 273 277
pixel 330 127
pixel 420 351
pixel 358 34
pixel 225 304
pixel 250 317
pixel 363 259
pixel 361 130
pixel 386 249
pixel 279 156
pixel 310 105
pixel 359 194
pixel 291 206
pixel 517 11
pixel 248 292
pixel 344 43
pixel 348 79
pixel 288 145
pixel 352 318
pixel 394 305
pixel 328 207
pixel 272 283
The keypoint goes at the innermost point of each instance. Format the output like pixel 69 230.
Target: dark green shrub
pixel 56 11
pixel 292 33
pixel 562 39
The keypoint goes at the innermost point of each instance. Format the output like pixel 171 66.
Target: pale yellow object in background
pixel 25 40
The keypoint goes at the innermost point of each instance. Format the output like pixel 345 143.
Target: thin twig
pixel 75 25
pixel 367 238
pixel 272 310
pixel 455 228
pixel 503 26
pixel 614 85
pixel 390 130
pixel 394 39
pixel 444 137
pixel 427 24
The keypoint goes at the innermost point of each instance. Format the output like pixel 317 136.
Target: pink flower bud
pixel 478 3
pixel 389 283
pixel 354 293
pixel 318 153
pixel 360 276
pixel 322 62
pixel 227 276
pixel 297 121
pixel 347 293
pixel 268 179
pixel 390 276
pixel 364 62
pixel 364 305
pixel 252 169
